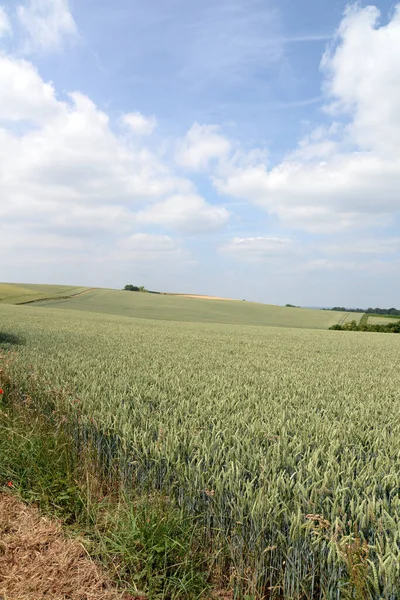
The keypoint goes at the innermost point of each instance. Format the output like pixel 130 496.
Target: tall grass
pixel 148 545
pixel 282 445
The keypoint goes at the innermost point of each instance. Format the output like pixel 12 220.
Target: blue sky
pixel 244 149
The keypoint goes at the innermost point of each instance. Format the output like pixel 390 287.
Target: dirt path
pixel 343 319
pixel 57 298
pixel 37 562
pixel 82 293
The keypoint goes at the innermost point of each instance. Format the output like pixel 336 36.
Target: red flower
pixel 1 392
pixel 10 484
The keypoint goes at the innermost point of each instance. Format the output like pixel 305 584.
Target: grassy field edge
pixel 145 544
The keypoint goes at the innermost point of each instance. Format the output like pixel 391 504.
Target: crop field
pixel 283 442
pixel 13 293
pixel 178 308
pixel 381 320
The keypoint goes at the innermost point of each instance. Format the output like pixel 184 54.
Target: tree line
pixel 393 327
pixel 135 288
pixel 369 311
pixel 138 288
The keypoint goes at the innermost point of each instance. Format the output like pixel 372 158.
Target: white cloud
pixel 201 145
pixel 139 124
pixel 256 249
pixel 65 172
pixel 353 266
pixel 327 264
pixel 24 246
pixel 188 213
pixel 5 25
pixel 352 253
pixel 23 94
pixel 346 192
pixel 147 247
pixel 74 157
pixel 46 23
pixel 364 247
pixel 344 176
pixel 363 78
pixel 47 242
pixel 68 154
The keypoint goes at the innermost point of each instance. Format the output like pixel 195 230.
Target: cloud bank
pixel 78 181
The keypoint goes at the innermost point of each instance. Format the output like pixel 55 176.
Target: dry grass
pixel 37 561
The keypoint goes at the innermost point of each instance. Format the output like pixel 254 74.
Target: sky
pixel 239 148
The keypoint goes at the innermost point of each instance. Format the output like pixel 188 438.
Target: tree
pixel 132 288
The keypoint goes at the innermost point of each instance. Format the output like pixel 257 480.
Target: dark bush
pixel 132 288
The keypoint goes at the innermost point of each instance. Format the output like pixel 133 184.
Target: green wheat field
pixel 280 436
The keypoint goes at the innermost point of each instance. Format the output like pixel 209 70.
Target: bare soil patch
pixel 38 562
pixel 204 297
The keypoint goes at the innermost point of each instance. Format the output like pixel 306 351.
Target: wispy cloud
pixel 297 103
pixel 256 249
pixel 46 24
pixel 5 25
pixel 229 38
pixel 139 124
pixel 307 37
pixel 342 177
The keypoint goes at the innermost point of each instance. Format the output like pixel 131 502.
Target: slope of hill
pixel 180 308
pixel 21 293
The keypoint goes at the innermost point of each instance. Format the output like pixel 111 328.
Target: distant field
pixel 199 310
pixel 18 293
pixel 204 297
pixel 381 320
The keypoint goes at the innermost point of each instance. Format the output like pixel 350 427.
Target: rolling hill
pixel 22 293
pixel 191 309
